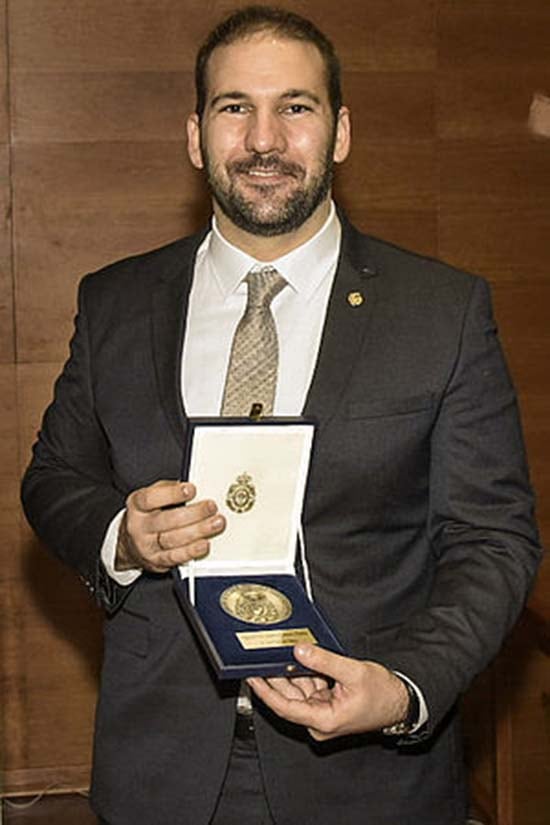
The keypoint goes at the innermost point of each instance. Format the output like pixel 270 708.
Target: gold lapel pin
pixel 355 299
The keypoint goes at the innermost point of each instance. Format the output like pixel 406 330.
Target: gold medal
pixel 255 603
pixel 241 495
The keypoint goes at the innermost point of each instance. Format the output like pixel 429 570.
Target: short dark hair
pixel 253 19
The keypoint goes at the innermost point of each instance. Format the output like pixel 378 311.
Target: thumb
pixel 339 668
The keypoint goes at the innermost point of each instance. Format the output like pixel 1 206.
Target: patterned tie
pixel 252 371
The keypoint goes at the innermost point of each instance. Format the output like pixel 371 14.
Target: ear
pixel 342 143
pixel 194 141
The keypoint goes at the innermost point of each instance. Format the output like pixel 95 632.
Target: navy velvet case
pixel 218 631
pixel 258 546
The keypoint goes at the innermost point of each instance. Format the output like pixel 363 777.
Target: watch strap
pixel 407 724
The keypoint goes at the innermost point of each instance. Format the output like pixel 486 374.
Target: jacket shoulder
pixel 142 271
pixel 411 270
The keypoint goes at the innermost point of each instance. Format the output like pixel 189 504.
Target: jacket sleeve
pixel 481 522
pixel 68 491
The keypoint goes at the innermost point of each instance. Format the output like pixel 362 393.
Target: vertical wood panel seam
pixel 10 173
pixel 13 724
pixel 437 116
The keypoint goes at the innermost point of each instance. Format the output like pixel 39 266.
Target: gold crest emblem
pixel 241 495
pixel 355 299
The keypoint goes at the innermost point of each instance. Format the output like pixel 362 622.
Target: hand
pixel 154 538
pixel 298 687
pixel 365 696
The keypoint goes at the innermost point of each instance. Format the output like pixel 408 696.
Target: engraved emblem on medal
pixel 256 603
pixel 241 495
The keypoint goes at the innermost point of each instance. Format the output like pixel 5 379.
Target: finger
pixel 340 668
pixel 177 518
pixel 161 562
pixel 319 736
pixel 307 685
pixel 190 533
pixel 311 714
pixel 190 542
pixel 161 494
pixel 320 683
pixel 288 688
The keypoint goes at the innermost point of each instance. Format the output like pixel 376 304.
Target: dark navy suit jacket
pixel 418 521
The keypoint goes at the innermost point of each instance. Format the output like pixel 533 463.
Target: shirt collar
pixel 303 268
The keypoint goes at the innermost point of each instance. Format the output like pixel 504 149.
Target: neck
pixel 269 249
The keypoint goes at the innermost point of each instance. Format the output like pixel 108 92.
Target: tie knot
pixel 263 285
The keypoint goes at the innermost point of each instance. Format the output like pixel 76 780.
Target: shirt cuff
pixel 423 714
pixel 108 554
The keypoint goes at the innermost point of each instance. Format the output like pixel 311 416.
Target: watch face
pixel 256 603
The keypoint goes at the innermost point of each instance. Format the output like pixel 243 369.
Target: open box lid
pixel 256 472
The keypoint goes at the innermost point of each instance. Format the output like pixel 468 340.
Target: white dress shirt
pixel 218 300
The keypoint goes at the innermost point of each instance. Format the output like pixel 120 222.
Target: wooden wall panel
pixel 99 35
pixel 381 35
pixel 400 176
pixel 522 313
pixel 6 275
pixel 390 106
pixel 493 34
pixel 494 218
pixel 4 90
pixel 6 280
pixel 495 199
pixel 478 737
pixel 389 184
pixel 391 165
pixel 52 718
pixel 527 671
pixel 488 104
pixel 495 202
pixel 4 127
pixel 119 183
pixel 10 519
pixel 500 243
pixel 9 466
pixel 416 230
pixel 48 710
pixel 90 107
pixel 80 206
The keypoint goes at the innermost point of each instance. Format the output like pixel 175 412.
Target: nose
pixel 265 133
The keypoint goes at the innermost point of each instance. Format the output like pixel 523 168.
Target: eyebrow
pixel 290 94
pixel 293 93
pixel 227 96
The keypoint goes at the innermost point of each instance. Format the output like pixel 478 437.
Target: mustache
pixel 264 163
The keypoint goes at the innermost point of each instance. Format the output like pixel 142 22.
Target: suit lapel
pixel 168 316
pixel 350 307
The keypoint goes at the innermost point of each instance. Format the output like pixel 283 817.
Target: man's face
pixel 268 137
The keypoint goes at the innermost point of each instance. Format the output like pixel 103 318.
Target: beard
pixel 270 213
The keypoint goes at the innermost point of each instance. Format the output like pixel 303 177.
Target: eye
pixel 234 109
pixel 297 109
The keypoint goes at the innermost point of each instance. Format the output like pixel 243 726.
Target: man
pixel 418 517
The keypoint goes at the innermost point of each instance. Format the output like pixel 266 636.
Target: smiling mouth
pixel 264 173
pixel 268 175
pixel 271 170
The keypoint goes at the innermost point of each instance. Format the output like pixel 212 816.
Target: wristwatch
pixel 407 724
